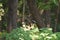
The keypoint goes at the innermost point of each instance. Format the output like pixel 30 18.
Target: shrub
pixel 47 34
pixel 2 35
pixel 58 35
pixel 18 34
pixel 34 34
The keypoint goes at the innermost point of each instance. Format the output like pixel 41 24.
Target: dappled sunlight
pixel 29 19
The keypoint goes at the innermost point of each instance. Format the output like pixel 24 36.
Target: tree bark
pixel 47 18
pixel 12 15
pixel 59 12
pixel 57 20
pixel 35 13
pixel 0 26
pixel 47 15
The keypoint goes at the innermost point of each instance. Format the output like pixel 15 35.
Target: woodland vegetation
pixel 29 19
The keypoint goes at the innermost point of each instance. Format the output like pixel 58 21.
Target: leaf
pixel 0 4
pixel 55 2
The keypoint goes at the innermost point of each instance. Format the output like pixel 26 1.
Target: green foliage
pixel 46 30
pixel 34 34
pixel 18 34
pixel 3 35
pixel 1 11
pixel 42 5
pixel 47 34
pixel 47 5
pixel 55 2
pixel 43 34
pixel 58 35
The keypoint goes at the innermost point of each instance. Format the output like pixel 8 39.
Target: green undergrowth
pixel 34 34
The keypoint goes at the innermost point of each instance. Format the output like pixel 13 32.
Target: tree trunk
pixel 57 20
pixel 35 13
pixel 12 15
pixel 47 18
pixel 0 26
pixel 59 12
pixel 47 15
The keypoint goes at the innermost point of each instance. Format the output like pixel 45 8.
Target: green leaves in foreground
pixel 34 34
pixel 18 34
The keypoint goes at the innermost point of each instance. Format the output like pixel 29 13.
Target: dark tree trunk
pixel 47 18
pixel 12 14
pixel 47 15
pixel 35 13
pixel 59 12
pixel 0 26
pixel 57 20
pixel 56 11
